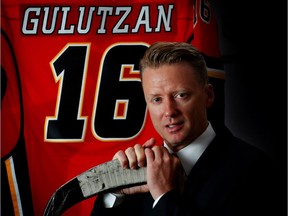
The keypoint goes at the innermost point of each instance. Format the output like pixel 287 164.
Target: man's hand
pixel 133 158
pixel 164 171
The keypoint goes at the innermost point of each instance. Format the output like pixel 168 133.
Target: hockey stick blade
pixel 101 178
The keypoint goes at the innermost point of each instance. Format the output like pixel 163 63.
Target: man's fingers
pixel 161 152
pixel 158 153
pixel 149 155
pixel 140 154
pixel 132 157
pixel 121 156
pixel 149 143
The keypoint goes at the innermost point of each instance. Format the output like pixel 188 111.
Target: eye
pixel 181 95
pixel 156 100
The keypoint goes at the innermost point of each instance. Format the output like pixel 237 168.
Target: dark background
pixel 253 44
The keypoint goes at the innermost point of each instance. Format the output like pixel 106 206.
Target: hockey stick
pixel 98 179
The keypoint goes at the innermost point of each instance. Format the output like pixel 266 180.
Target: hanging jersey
pixel 70 88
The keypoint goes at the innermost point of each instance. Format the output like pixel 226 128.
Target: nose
pixel 170 108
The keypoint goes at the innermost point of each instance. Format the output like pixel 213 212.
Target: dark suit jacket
pixel 230 178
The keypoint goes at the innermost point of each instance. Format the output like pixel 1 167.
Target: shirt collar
pixel 192 152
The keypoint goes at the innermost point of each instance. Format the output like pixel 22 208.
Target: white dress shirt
pixel 188 157
pixel 192 152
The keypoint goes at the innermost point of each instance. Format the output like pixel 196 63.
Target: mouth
pixel 174 127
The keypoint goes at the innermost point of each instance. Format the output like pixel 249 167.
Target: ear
pixel 210 97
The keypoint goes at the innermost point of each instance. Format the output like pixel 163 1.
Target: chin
pixel 174 142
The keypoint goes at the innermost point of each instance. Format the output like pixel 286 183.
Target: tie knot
pixel 175 154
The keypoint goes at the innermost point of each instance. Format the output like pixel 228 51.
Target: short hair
pixel 161 53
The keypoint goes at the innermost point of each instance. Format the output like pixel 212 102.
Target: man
pixel 201 169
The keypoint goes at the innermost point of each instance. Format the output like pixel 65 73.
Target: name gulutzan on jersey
pixel 101 20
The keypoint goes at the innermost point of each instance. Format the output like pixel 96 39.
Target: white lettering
pixel 33 21
pixel 166 20
pixel 45 30
pixel 63 29
pixel 95 20
pixel 105 10
pixel 143 19
pixel 81 18
pixel 117 28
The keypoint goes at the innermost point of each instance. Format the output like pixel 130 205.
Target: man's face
pixel 177 103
